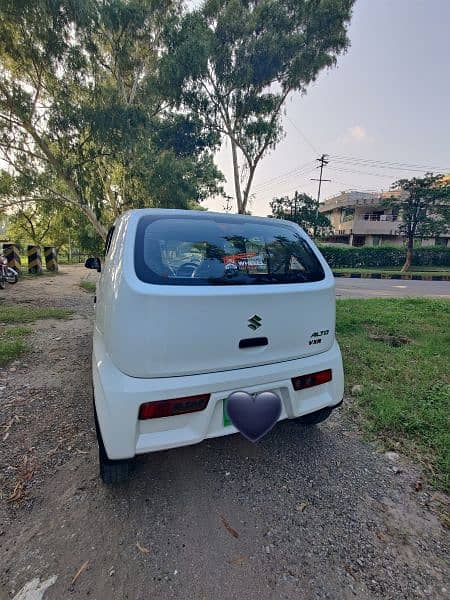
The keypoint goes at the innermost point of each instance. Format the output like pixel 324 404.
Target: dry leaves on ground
pixel 228 527
pixel 80 570
pixel 142 549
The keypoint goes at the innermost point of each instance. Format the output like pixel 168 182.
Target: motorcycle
pixel 7 274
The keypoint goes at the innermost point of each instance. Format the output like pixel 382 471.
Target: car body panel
pixel 156 342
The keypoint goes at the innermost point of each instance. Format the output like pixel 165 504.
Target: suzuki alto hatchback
pixel 192 306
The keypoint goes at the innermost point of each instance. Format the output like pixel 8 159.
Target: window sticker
pixel 234 258
pixel 248 261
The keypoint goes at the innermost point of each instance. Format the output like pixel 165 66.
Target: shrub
pixel 384 256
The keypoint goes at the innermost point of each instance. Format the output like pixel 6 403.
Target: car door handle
pixel 253 342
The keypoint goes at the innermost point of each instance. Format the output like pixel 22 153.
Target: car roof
pixel 205 214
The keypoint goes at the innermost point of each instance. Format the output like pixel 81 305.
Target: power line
pixel 288 181
pixel 383 164
pixel 283 176
pixel 390 168
pixel 303 136
pixel 350 160
pixel 340 170
pixel 267 194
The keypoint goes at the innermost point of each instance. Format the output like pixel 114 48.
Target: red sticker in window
pixel 237 259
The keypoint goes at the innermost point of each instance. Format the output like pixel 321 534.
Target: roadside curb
pixel 386 276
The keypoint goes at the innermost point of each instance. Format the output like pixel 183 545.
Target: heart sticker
pixel 254 416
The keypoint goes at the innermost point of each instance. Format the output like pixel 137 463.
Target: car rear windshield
pixel 210 250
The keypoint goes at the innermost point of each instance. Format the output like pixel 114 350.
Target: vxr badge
pixel 316 336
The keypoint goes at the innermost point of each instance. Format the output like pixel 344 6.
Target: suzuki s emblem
pixel 254 322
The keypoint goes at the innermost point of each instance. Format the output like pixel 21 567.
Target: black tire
pixel 111 471
pixel 316 417
pixel 2 283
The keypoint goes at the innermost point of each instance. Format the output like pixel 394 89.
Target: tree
pixel 83 121
pixel 44 223
pixel 235 62
pixel 301 209
pixel 423 204
pixel 28 225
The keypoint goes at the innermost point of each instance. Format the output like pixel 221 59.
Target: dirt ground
pixel 303 514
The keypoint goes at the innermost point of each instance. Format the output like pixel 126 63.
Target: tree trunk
pixel 53 161
pixel 409 256
pixel 237 183
pixel 99 228
pixel 247 187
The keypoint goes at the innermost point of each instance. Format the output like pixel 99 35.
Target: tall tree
pixel 235 62
pixel 423 204
pixel 301 209
pixel 82 119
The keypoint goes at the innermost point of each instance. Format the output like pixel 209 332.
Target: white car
pixel 192 306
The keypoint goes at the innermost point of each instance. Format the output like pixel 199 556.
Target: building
pixel 361 219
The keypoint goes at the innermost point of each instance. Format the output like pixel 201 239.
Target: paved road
pixel 390 288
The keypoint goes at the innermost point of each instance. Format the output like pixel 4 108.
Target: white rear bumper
pixel 118 398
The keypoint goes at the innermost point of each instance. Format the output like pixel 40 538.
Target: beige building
pixel 360 219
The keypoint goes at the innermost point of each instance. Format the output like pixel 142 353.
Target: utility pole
pixel 295 206
pixel 322 161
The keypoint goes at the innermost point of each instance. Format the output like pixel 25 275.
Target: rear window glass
pixel 210 250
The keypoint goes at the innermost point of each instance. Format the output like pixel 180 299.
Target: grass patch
pixel 87 286
pixel 13 342
pixel 28 314
pixel 439 271
pixel 405 397
pixel 25 275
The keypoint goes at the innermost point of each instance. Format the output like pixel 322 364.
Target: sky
pixel 387 101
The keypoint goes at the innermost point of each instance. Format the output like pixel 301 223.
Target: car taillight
pixel 174 406
pixel 307 381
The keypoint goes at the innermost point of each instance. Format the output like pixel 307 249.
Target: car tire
pixel 316 417
pixel 111 471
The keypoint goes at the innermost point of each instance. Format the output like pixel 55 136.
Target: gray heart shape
pixel 254 416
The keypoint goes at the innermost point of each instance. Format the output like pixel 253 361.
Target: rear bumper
pixel 118 398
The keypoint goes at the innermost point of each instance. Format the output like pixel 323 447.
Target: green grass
pixel 13 342
pixel 396 270
pixel 28 314
pixel 405 397
pixel 87 286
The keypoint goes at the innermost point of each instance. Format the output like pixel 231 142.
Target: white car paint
pixel 155 342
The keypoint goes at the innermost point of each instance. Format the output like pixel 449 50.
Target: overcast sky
pixel 388 100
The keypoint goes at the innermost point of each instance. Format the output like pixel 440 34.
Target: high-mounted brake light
pixel 174 406
pixel 307 381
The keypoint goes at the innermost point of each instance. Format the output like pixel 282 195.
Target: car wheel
pixel 316 417
pixel 111 471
